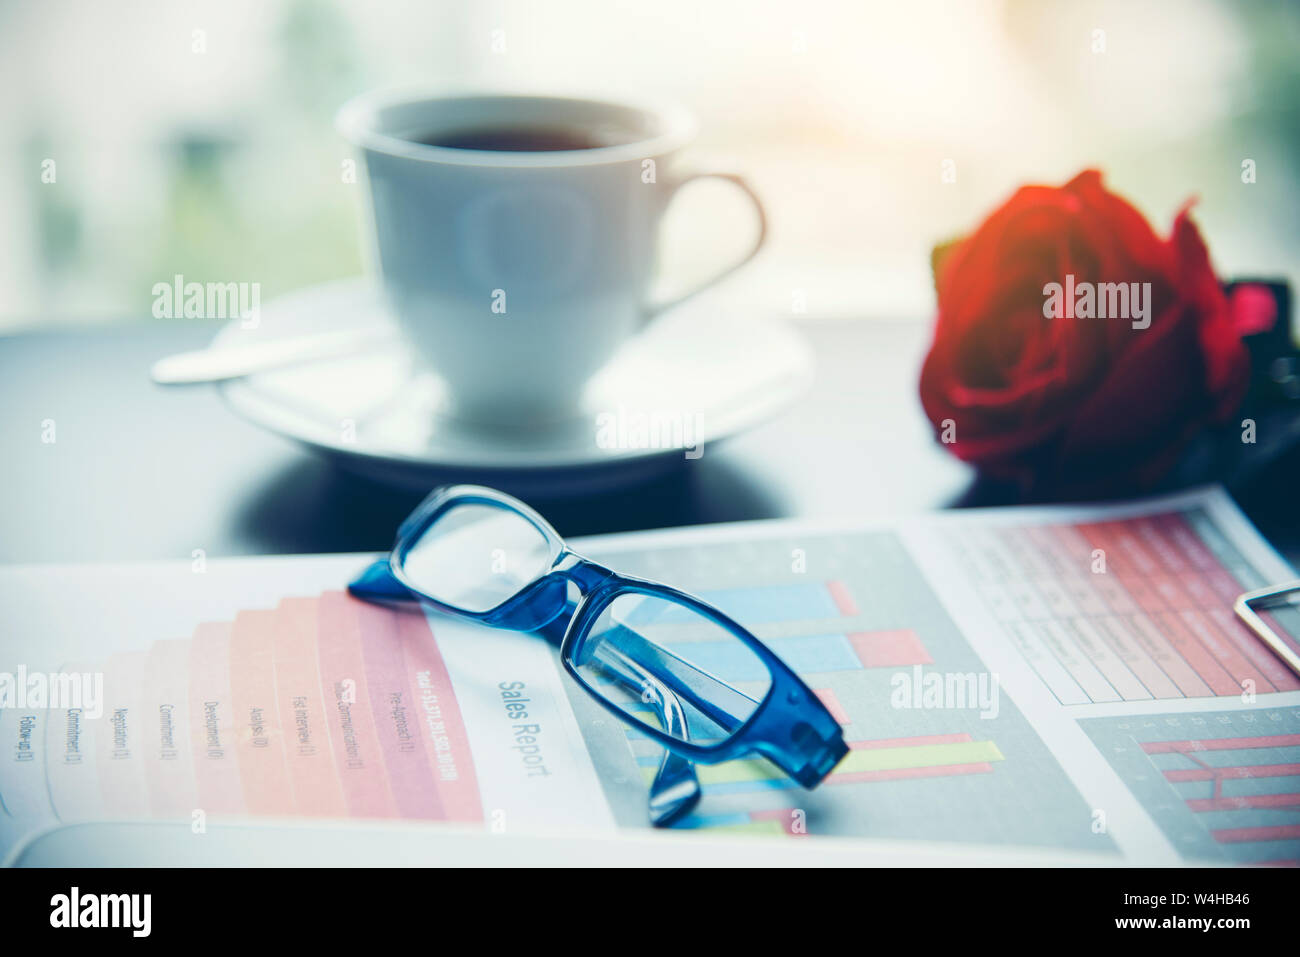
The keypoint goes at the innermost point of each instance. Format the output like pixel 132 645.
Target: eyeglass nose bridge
pixel 583 572
pixel 569 567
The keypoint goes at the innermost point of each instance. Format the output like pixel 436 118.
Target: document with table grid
pixel 1059 679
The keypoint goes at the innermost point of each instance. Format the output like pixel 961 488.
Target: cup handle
pixel 655 308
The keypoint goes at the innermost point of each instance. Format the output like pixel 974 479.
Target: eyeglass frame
pixel 790 726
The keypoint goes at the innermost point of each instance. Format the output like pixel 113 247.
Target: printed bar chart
pixel 1221 785
pixel 862 616
pixel 322 707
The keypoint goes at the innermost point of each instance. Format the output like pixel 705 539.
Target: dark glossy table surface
pixel 139 472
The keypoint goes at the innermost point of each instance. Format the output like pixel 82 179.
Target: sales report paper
pixel 1053 678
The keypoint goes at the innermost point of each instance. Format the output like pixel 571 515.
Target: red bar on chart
pixel 316 786
pixel 446 741
pixel 842 598
pixel 212 722
pixel 896 647
pixel 357 753
pixel 397 721
pixel 259 735
pixel 169 759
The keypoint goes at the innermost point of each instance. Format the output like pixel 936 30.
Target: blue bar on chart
pixel 770 603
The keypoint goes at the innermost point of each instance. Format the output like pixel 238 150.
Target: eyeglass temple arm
pixel 378 583
pixel 698 688
pixel 676 788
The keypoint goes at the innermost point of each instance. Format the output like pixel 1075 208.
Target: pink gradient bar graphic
pixel 843 600
pixel 212 727
pixel 259 736
pixel 827 697
pixel 121 759
pixel 891 648
pixel 446 742
pixel 397 724
pixel 357 753
pixel 316 786
pixel 169 759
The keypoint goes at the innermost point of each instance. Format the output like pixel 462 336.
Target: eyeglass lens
pixel 645 653
pixel 477 555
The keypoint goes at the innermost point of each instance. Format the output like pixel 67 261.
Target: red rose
pixel 1027 382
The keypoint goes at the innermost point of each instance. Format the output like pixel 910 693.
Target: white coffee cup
pixel 517 274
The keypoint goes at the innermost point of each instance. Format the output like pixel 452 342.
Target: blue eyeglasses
pixel 670 665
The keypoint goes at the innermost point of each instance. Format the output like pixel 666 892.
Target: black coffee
pixel 526 139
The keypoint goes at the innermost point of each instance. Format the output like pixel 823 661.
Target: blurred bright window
pixel 142 139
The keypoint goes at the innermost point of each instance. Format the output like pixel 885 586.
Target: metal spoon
pixel 221 363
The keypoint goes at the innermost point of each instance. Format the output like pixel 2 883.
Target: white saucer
pixel 379 415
